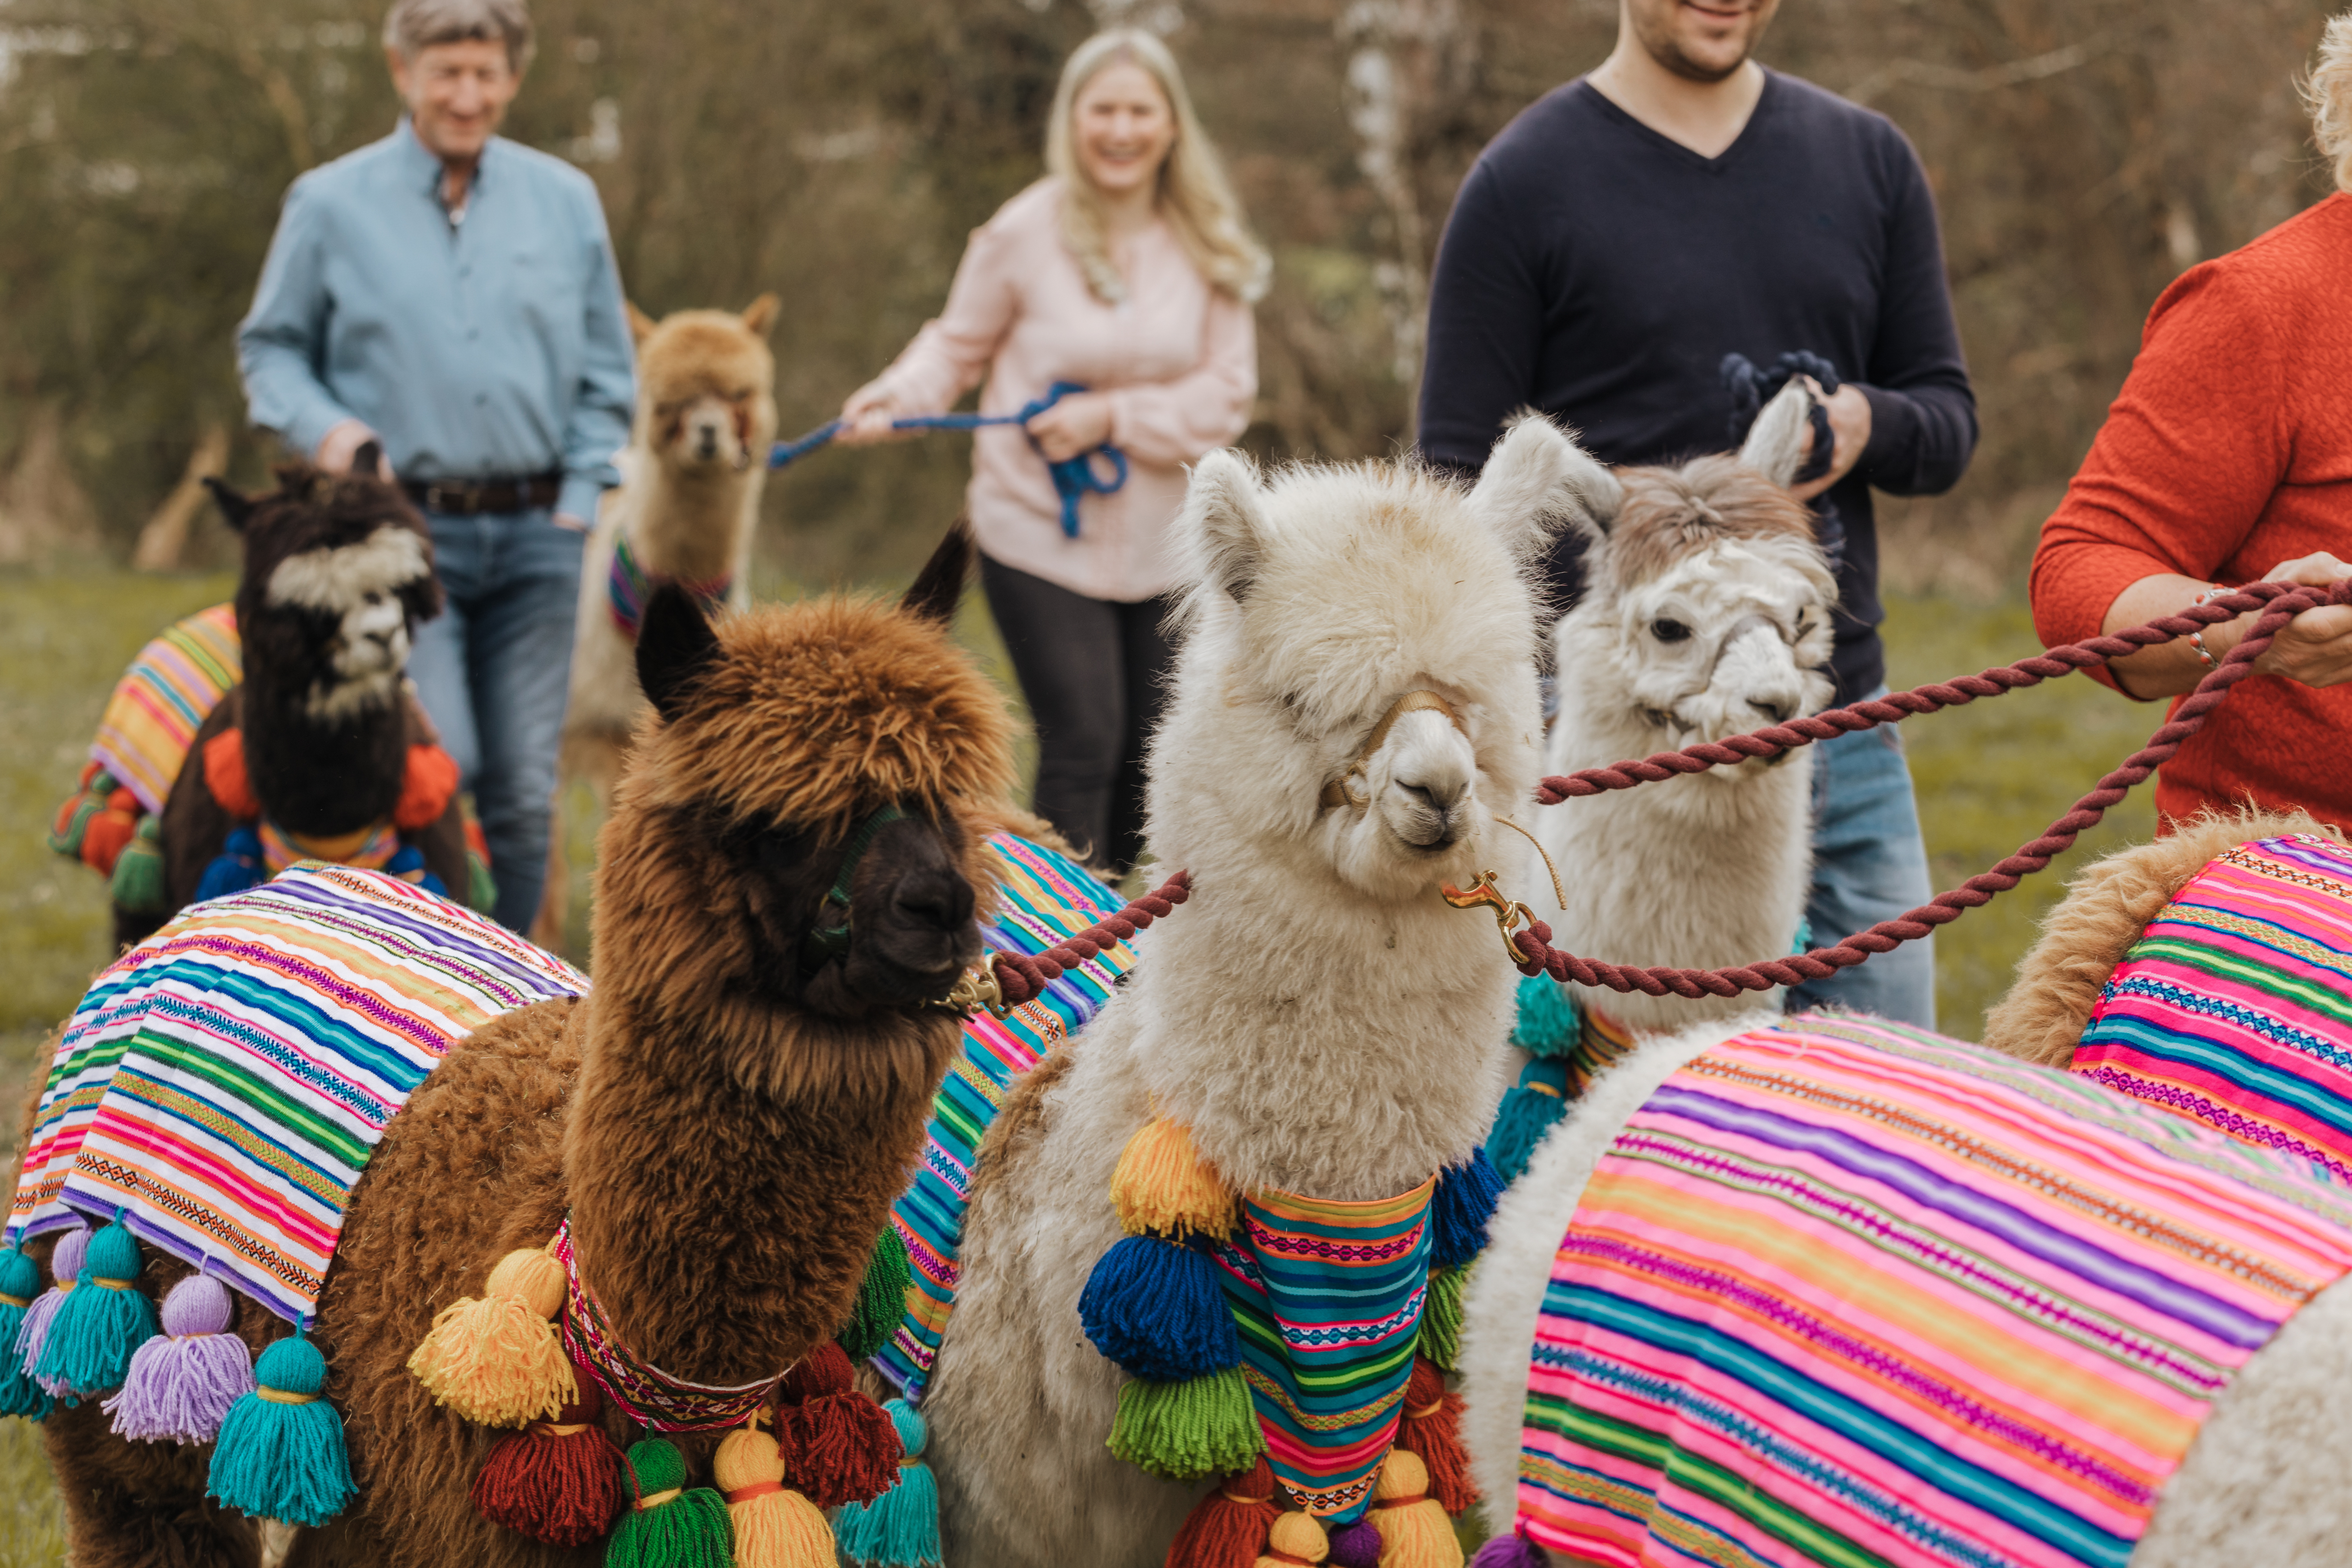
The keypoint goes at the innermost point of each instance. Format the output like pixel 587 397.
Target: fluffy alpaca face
pixel 706 385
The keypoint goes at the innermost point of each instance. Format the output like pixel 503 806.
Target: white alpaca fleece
pixel 1316 1015
pixel 339 580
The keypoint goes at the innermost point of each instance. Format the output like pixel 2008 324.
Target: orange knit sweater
pixel 2228 451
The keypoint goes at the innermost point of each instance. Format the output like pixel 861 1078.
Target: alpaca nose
pixel 705 444
pixel 935 900
pixel 1441 800
pixel 1777 709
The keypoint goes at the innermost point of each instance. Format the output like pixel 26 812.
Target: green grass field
pixel 1990 776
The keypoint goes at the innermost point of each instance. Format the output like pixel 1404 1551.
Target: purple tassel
pixel 1355 1545
pixel 183 1381
pixel 64 1264
pixel 1512 1550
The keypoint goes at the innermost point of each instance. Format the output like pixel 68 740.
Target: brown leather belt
pixel 472 497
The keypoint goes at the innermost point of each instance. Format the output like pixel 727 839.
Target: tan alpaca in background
pixel 688 501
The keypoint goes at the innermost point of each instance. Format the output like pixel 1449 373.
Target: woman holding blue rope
pixel 1128 272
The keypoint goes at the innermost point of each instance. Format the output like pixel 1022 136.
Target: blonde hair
pixel 2328 96
pixel 1194 196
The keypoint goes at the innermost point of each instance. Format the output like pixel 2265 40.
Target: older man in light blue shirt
pixel 452 296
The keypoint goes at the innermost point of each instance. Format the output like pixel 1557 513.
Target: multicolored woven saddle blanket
pixel 151 718
pixel 1046 897
pixel 226 1080
pixel 2234 1009
pixel 1846 1293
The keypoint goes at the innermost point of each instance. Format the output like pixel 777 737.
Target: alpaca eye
pixel 1665 630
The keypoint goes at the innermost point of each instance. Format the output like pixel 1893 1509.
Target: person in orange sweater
pixel 2226 459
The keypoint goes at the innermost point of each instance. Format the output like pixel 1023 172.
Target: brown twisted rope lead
pixel 1022 978
pixel 2278 601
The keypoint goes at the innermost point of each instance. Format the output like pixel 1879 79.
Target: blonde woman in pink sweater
pixel 1126 270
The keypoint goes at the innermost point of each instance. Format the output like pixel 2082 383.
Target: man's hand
pixel 2316 647
pixel 343 442
pixel 1079 423
pixel 1849 413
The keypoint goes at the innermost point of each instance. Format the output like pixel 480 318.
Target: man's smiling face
pixel 1701 40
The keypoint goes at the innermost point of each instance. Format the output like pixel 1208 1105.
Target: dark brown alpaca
pixel 725 1123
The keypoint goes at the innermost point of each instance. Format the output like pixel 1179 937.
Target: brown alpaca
pixel 726 1133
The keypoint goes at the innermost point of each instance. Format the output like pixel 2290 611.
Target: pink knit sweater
pixel 1178 358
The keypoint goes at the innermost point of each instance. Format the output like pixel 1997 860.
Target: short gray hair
pixel 412 25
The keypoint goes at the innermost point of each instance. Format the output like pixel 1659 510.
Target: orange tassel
pixel 496 1360
pixel 1227 1528
pixel 1164 1187
pixel 224 775
pixel 1414 1531
pixel 1296 1541
pixel 424 788
pixel 1432 1430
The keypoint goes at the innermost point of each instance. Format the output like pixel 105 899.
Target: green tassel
pixel 138 882
pixel 1187 1431
pixel 1549 1021
pixel 73 821
pixel 881 1298
pixel 1441 1317
pixel 278 1460
pixel 691 1530
pixel 20 1281
pixel 103 1320
pixel 481 888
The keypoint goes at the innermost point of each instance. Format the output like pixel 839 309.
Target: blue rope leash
pixel 1073 476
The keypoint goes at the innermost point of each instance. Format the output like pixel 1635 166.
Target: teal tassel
pixel 284 1459
pixel 20 1281
pixel 1549 1021
pixel 689 1529
pixel 106 1318
pixel 1526 1115
pixel 900 1528
pixel 881 1299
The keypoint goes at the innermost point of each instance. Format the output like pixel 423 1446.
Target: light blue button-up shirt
pixel 496 347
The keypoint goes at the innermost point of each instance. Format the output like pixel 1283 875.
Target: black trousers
pixel 1092 671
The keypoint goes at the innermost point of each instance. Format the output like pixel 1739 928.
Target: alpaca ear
pixel 1536 478
pixel 760 315
pixel 641 326
pixel 1775 446
pixel 676 647
pixel 939 586
pixel 1225 520
pixel 367 463
pixel 234 504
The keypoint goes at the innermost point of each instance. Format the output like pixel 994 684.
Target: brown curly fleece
pixel 727 1158
pixel 2104 911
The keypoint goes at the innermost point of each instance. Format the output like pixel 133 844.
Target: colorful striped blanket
pixel 227 1080
pixel 1046 897
pixel 151 718
pixel 2234 1009
pixel 1845 1293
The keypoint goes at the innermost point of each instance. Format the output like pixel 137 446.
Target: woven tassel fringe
pixel 1156 1308
pixel 20 1283
pixel 668 1524
pixel 1414 1531
pixel 775 1527
pixel 558 1482
pixel 102 1322
pixel 881 1299
pixel 1431 1429
pixel 1549 1020
pixel 1530 1110
pixel 1228 1527
pixel 1355 1545
pixel 33 1333
pixel 1294 1539
pixel 838 1446
pixel 1441 1318
pixel 184 1381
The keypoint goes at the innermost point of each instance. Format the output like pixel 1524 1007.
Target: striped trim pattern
pixel 1852 1295
pixel 227 1080
pixel 651 1398
pixel 1328 1299
pixel 2234 1009
pixel 1045 897
pixel 163 698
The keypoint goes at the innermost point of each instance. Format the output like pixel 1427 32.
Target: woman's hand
pixel 1079 423
pixel 2316 647
pixel 1849 413
pixel 866 417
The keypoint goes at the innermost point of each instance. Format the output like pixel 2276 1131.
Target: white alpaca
pixel 2263 1483
pixel 1706 613
pixel 1316 1016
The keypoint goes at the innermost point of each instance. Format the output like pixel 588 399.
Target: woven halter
pixel 1337 791
pixel 651 1397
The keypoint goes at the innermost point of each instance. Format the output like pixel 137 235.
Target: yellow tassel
pixel 1296 1541
pixel 1163 1186
pixel 775 1527
pixel 496 1361
pixel 1414 1531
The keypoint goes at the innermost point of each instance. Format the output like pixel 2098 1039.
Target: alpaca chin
pixel 347 699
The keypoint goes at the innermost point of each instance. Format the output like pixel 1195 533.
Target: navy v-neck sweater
pixel 1599 271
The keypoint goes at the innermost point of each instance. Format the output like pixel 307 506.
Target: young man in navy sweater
pixel 1614 244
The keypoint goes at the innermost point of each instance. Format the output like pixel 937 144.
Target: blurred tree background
pixel 2084 151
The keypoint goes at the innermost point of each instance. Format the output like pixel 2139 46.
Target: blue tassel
pixel 900 1528
pixel 1155 1307
pixel 284 1459
pixel 1458 1214
pixel 1526 1114
pixel 104 1322
pixel 238 867
pixel 1550 1020
pixel 20 1281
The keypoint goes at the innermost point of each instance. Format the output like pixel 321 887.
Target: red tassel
pixel 839 1446
pixel 1228 1527
pixel 430 779
pixel 1432 1431
pixel 224 775
pixel 558 1482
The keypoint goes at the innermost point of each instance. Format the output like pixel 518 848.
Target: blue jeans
pixel 494 670
pixel 1869 864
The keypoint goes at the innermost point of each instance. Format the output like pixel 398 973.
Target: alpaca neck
pixel 322 774
pixel 694 526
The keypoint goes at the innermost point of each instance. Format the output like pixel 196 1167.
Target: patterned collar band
pixel 628 586
pixel 651 1397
